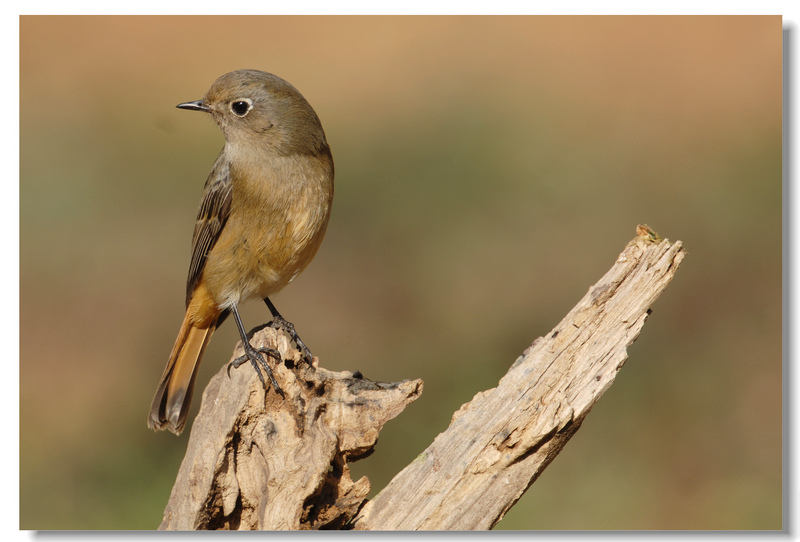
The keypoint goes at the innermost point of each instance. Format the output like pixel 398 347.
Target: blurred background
pixel 489 170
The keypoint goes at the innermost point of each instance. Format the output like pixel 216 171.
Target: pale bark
pixel 256 460
pixel 260 461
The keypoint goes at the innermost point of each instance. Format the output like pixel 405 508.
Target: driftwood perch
pixel 257 460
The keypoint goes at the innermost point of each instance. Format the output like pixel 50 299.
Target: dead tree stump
pixel 256 460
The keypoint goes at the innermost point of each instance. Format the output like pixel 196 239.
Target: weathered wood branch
pixel 499 443
pixel 257 460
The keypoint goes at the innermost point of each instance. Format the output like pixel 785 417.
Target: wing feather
pixel 211 217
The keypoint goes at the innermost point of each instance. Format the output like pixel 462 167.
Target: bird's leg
pixel 254 355
pixel 279 322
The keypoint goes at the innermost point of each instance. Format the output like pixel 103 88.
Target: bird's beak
pixel 194 106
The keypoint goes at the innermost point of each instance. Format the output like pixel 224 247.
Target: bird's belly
pixel 258 262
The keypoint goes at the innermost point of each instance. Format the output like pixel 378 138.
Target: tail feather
pixel 174 394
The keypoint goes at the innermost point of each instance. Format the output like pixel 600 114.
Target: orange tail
pixel 171 402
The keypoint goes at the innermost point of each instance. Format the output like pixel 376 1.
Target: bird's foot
pixel 253 355
pixel 280 323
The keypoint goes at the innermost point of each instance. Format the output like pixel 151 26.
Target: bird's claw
pixel 253 355
pixel 280 323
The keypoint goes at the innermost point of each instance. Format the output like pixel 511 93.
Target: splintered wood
pixel 257 460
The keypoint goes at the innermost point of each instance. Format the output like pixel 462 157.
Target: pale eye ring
pixel 241 106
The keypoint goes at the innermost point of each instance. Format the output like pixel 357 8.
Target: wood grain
pixel 256 460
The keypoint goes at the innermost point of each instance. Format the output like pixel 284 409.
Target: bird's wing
pixel 211 217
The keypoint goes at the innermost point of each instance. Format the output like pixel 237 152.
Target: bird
pixel 263 214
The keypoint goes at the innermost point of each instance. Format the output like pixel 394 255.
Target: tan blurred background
pixel 488 170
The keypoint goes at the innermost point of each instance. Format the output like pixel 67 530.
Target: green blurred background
pixel 488 171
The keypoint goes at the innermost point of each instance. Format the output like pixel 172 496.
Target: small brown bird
pixel 263 215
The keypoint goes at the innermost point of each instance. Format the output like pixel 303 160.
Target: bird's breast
pixel 277 220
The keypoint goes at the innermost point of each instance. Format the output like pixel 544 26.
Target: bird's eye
pixel 240 108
